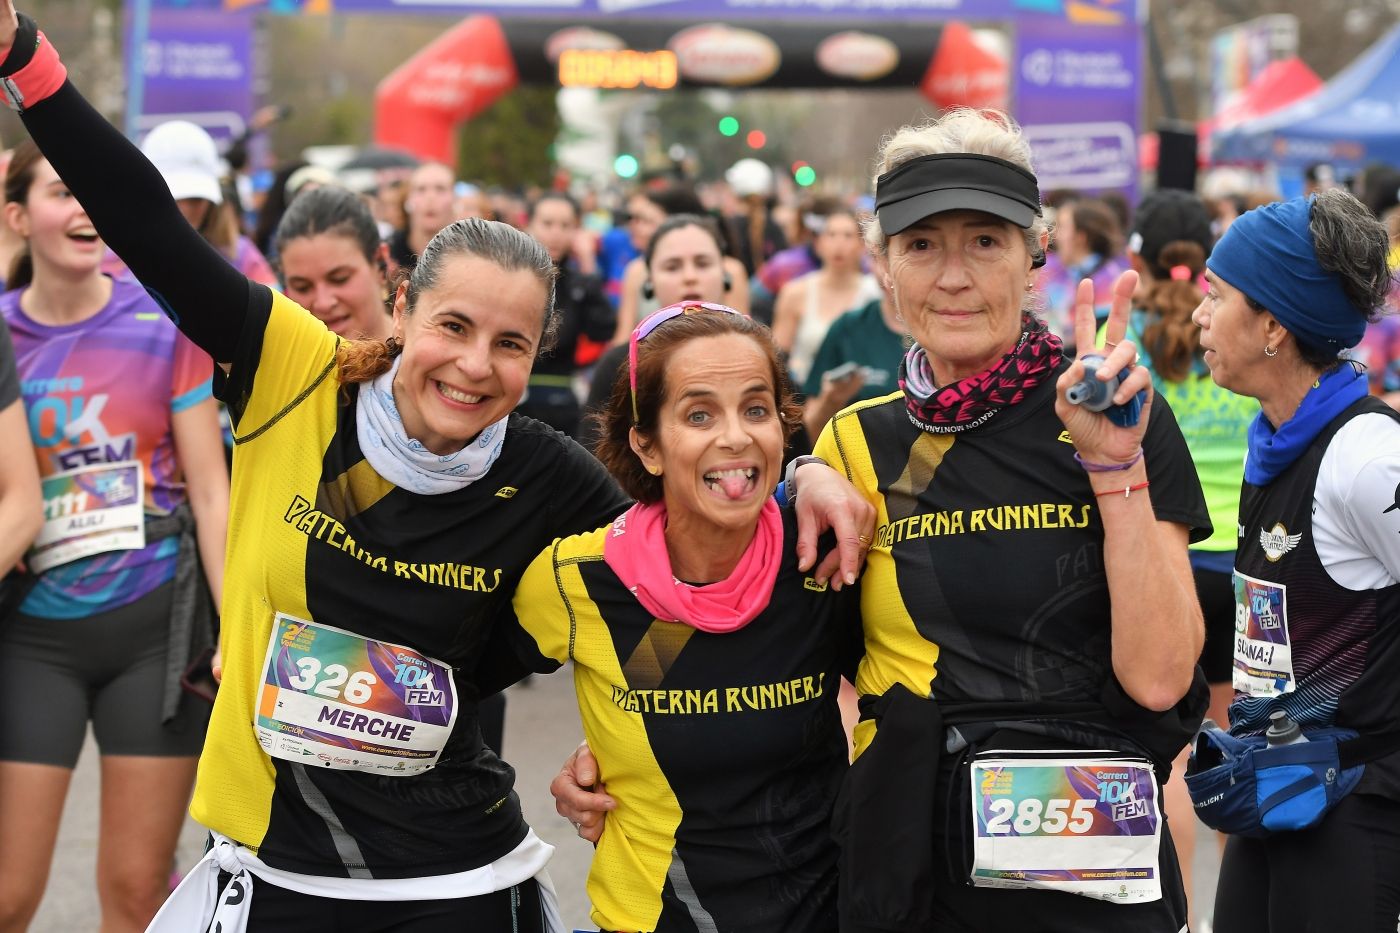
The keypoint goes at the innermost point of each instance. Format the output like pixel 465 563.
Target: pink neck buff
pixel 636 551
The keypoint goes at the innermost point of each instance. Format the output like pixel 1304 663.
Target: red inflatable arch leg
pixel 963 74
pixel 456 77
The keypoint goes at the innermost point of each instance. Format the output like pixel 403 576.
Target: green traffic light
pixel 805 176
pixel 625 166
pixel 729 126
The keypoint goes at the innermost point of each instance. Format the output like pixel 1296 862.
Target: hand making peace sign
pixel 1096 438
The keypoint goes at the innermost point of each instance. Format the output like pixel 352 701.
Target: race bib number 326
pixel 339 700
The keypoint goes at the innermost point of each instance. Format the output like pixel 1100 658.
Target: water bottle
pixel 1283 730
pixel 1089 391
pixel 1094 395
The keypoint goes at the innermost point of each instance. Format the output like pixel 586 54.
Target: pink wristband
pixel 41 78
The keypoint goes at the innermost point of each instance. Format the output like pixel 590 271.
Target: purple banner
pixel 198 66
pixel 1077 92
pixel 1096 12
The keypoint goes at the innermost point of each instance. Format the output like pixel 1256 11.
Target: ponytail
pixel 21 271
pixel 1172 340
pixel 364 360
pixel 19 177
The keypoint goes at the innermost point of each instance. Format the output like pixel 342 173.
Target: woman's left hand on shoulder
pixel 828 500
pixel 1096 438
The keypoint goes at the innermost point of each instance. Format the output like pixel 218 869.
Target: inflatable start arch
pixel 1069 73
pixel 470 66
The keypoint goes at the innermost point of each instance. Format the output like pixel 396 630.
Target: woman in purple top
pixel 136 500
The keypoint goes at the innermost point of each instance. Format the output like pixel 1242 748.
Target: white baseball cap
pixel 187 158
pixel 750 177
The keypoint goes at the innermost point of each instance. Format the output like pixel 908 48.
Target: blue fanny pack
pixel 1245 787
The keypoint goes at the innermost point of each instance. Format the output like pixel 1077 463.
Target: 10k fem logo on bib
pixel 340 700
pixel 1263 655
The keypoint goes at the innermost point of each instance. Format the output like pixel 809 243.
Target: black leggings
pixel 56 675
pixel 518 909
pixel 1343 874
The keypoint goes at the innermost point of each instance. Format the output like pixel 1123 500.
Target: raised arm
pixel 1157 627
pixel 124 194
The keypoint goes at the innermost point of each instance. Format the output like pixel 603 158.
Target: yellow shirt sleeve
pixel 540 607
pixel 297 352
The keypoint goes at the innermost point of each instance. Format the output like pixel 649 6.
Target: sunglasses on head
pixel 651 323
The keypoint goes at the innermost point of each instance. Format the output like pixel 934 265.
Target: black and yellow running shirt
pixel 389 582
pixel 723 752
pixel 985 582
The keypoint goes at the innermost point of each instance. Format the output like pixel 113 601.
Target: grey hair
pixel 498 243
pixel 980 132
pixel 1352 245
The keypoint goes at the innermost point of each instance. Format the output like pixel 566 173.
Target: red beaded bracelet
pixel 1126 492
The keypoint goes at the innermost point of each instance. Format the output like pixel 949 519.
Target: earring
pixel 654 469
pixel 1271 352
pixel 1030 285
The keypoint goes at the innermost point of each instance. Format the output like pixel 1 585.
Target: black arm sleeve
pixel 132 209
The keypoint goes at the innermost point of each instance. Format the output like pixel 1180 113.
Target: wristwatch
pixel 790 475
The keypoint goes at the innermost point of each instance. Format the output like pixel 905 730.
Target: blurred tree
pixel 689 118
pixel 685 117
pixel 511 144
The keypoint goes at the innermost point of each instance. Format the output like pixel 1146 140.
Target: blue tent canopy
pixel 1353 120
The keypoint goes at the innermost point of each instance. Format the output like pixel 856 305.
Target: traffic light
pixel 625 166
pixel 804 175
pixel 757 139
pixel 728 126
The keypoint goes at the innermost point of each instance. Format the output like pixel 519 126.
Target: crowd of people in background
pixel 846 362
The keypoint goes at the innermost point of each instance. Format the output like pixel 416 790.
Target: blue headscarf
pixel 1268 254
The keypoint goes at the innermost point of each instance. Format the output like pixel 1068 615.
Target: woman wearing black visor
pixel 1029 576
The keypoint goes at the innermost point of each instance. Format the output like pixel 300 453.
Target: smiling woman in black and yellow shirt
pixel 710 703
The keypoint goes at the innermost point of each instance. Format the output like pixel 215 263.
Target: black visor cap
pixel 933 184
